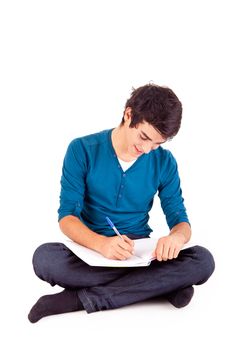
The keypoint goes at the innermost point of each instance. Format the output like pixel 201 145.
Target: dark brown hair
pixel 158 106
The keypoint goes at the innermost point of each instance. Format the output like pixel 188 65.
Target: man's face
pixel 141 139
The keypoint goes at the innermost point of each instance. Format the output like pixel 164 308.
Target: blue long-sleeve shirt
pixel 93 186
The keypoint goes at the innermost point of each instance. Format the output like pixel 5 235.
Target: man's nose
pixel 147 148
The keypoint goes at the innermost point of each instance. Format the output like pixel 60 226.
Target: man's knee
pixel 207 263
pixel 44 257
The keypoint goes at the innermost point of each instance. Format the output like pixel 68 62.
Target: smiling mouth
pixel 138 152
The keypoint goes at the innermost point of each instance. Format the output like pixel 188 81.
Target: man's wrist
pixel 99 241
pixel 182 231
pixel 180 235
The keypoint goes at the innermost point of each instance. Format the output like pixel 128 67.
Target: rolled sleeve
pixel 170 194
pixel 72 181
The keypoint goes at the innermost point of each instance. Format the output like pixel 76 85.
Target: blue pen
pixel 117 232
pixel 114 227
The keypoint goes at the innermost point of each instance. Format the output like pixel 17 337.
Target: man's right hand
pixel 117 248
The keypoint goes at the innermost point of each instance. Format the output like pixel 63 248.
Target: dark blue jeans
pixel 101 288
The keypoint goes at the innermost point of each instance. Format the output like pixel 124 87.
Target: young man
pixel 117 173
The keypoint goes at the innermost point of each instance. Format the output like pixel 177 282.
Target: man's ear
pixel 128 115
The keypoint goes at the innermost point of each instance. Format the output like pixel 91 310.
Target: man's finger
pixel 125 246
pixel 166 248
pixel 128 240
pixel 123 252
pixel 159 251
pixel 171 253
pixel 176 253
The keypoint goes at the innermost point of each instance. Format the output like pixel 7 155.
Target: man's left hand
pixel 168 247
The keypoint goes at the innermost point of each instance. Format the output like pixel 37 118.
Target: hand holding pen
pixel 118 247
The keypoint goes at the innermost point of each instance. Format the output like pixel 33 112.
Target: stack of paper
pixel 143 249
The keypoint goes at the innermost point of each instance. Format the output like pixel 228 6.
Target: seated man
pixel 117 173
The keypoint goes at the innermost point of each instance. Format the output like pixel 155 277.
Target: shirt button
pixel 120 195
pixel 122 186
pixel 124 175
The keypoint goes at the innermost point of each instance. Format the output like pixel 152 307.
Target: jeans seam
pixel 89 305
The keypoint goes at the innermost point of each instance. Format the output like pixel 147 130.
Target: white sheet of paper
pixel 143 249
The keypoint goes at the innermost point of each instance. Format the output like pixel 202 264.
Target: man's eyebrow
pixel 148 138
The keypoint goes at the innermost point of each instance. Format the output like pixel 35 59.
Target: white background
pixel 67 68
